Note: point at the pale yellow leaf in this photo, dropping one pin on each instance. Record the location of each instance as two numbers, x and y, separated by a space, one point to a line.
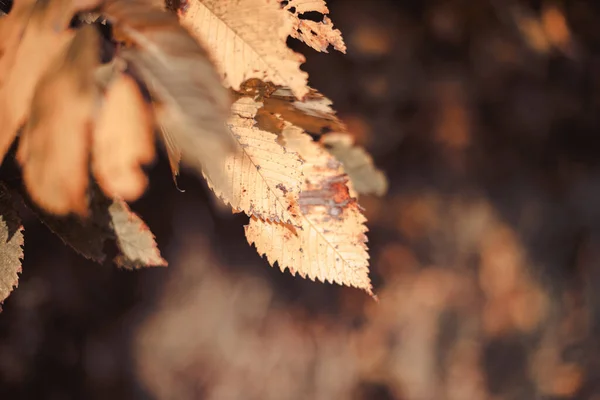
134 238
330 242
247 39
318 35
358 164
263 178
54 146
11 244
123 141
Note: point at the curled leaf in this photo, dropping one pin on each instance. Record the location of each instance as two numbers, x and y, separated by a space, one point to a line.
313 114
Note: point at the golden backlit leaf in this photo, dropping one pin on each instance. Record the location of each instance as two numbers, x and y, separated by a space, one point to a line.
358 164
123 140
318 35
134 238
11 242
247 39
263 178
54 147
330 243
191 104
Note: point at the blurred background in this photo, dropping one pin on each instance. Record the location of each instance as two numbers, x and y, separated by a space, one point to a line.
485 115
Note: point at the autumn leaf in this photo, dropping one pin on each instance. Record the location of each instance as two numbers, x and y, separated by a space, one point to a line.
123 140
86 236
358 164
37 35
330 243
54 147
12 27
134 238
11 242
247 39
263 178
318 35
313 113
108 220
190 103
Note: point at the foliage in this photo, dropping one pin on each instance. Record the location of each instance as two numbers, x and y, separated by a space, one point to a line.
87 86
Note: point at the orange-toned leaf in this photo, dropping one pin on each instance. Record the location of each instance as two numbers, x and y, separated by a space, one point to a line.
123 141
247 39
44 37
12 27
54 148
330 243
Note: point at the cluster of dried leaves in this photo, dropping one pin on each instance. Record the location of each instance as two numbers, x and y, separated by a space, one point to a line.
86 84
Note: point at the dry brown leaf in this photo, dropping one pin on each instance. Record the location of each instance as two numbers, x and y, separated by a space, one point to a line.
11 242
134 238
318 35
313 114
123 141
263 178
192 106
247 39
55 143
358 164
330 243
44 37
86 236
